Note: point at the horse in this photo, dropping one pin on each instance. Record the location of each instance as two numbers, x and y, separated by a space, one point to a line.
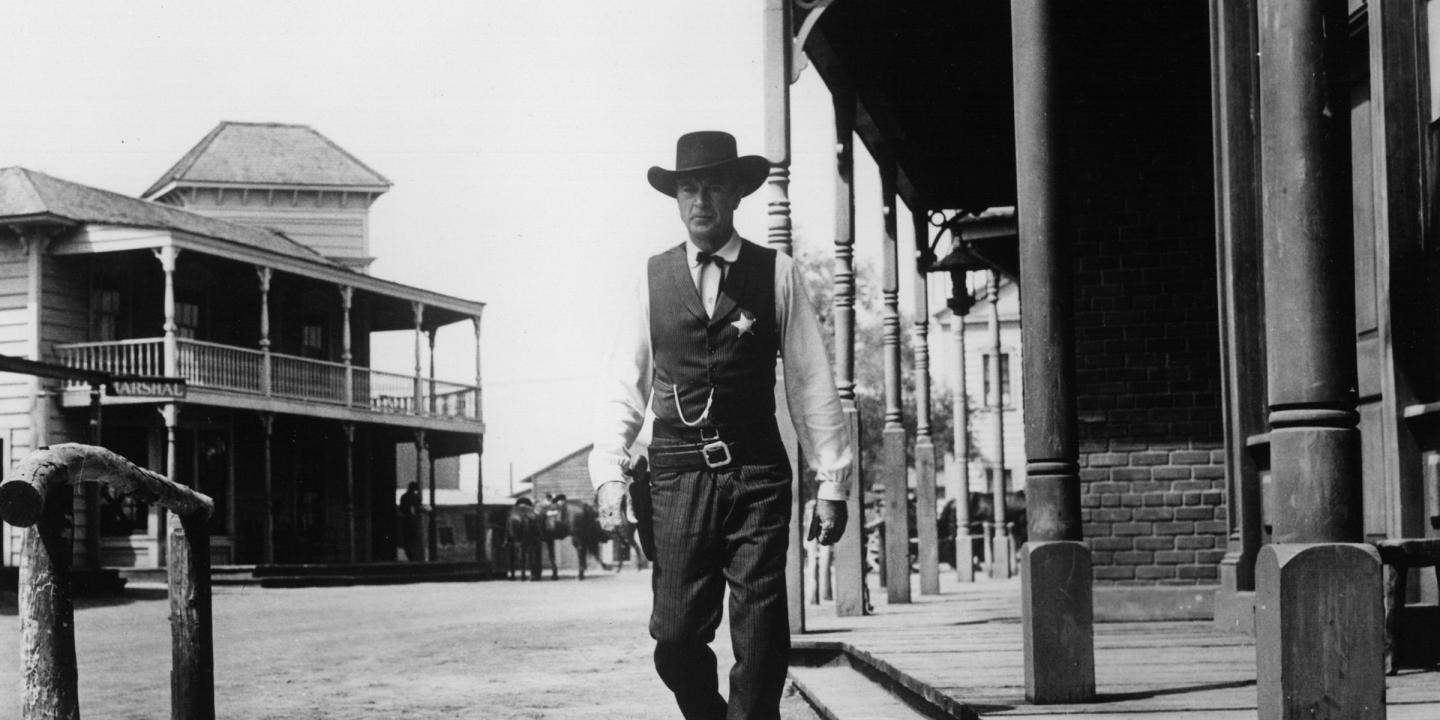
560 518
522 536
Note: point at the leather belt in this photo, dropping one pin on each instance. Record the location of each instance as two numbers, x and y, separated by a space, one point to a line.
712 448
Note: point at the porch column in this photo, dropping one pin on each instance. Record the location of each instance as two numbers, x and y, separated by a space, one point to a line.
267 421
170 415
897 521
347 295
924 447
1319 622
265 274
850 550
482 526
1056 604
93 500
419 399
778 40
434 536
434 407
1000 558
419 479
171 359
475 413
350 539
1239 256
960 400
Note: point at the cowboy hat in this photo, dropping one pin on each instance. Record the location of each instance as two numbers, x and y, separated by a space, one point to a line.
710 151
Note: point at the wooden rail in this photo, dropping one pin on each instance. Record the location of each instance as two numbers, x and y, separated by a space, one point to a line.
252 372
38 496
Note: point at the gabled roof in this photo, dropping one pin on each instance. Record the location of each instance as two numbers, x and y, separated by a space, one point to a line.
27 194
567 458
269 154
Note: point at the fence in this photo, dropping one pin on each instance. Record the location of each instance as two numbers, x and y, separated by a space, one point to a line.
38 496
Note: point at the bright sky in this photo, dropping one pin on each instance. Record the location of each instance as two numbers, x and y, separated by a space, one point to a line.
517 135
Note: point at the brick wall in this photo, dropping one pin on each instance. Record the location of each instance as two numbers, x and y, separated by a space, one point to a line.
1154 515
1146 319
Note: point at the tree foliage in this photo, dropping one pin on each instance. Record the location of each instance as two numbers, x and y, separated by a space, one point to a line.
870 361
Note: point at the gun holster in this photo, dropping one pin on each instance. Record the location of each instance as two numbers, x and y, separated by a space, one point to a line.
642 506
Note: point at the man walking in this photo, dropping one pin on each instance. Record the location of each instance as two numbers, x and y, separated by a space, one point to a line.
711 317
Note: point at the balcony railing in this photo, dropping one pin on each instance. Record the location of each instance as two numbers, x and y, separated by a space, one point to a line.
253 372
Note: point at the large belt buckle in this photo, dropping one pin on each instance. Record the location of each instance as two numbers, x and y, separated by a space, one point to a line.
715 452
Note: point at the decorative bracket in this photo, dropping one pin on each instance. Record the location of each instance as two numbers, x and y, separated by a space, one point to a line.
814 9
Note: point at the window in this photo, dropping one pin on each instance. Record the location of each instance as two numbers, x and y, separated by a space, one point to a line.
104 314
312 337
187 319
1004 380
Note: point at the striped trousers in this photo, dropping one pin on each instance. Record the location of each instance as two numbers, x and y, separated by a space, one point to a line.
715 528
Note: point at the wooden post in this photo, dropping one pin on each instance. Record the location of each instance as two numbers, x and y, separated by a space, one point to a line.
777 120
347 294
433 546
433 407
93 499
897 522
777 44
170 412
419 309
192 652
267 420
1319 621
1056 602
850 550
350 537
960 399
925 531
477 414
47 612
1235 95
265 274
167 256
482 524
1000 557
420 472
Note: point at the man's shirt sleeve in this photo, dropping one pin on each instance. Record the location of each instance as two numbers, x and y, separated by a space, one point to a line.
623 392
810 385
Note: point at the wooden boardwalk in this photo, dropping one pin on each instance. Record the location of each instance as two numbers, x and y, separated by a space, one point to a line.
966 644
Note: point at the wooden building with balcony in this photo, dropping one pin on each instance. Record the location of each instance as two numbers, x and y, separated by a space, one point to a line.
242 274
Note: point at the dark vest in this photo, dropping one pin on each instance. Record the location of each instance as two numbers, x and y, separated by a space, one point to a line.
694 354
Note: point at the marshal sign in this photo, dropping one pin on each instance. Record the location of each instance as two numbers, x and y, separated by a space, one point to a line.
156 387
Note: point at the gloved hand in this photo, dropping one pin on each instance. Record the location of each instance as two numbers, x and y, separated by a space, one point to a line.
828 523
609 501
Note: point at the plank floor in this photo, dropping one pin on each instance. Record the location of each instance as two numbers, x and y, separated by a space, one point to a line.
966 644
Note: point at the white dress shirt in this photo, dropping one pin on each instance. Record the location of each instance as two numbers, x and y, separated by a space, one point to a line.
624 389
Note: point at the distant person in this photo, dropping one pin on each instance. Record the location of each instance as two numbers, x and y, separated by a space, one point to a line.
699 349
411 512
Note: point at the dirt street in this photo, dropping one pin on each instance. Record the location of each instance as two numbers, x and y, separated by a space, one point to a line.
498 649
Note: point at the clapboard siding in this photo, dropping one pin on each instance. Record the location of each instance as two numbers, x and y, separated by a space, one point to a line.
330 231
64 304
15 324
